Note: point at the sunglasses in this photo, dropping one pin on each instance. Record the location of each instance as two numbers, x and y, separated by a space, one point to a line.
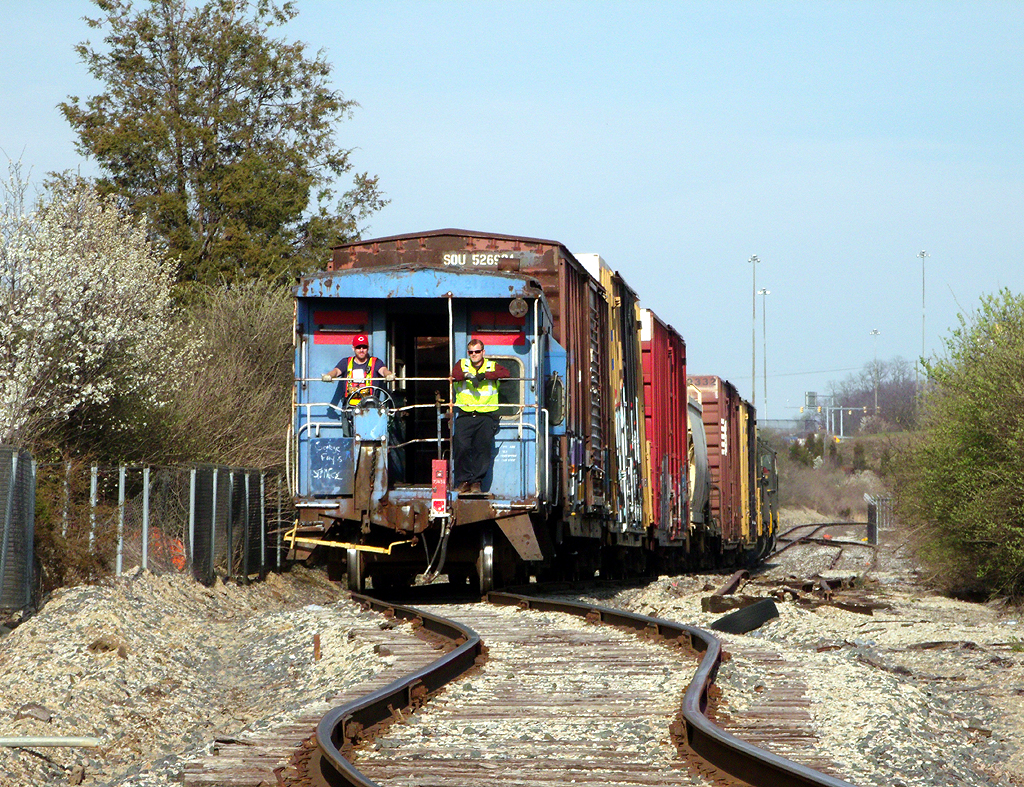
362 347
476 352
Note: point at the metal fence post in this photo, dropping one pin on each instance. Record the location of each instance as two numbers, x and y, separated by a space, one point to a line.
8 516
278 528
192 519
245 532
30 535
93 502
145 518
122 471
213 528
263 522
67 499
230 525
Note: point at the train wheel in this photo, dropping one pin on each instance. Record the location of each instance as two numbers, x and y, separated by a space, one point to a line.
485 561
356 571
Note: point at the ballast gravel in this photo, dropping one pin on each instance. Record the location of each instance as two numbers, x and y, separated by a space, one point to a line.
924 690
158 667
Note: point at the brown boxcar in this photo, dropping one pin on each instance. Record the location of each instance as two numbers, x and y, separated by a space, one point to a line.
665 416
730 428
577 303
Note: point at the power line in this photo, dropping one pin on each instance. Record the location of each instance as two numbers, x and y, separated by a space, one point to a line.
818 371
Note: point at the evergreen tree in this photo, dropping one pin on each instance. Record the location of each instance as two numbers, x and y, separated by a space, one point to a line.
222 135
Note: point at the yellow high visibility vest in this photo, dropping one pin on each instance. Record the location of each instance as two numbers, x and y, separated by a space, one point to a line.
479 397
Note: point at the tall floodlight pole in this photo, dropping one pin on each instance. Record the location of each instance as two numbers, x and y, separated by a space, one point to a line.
753 328
922 255
764 346
875 332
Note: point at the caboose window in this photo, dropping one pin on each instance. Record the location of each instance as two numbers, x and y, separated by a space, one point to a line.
510 392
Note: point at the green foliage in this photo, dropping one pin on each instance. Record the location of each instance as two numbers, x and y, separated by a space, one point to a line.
222 135
961 482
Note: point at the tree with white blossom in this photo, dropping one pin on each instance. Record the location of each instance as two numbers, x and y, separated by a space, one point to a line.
85 308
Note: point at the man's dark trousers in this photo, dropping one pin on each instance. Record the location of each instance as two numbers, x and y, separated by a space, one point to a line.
472 445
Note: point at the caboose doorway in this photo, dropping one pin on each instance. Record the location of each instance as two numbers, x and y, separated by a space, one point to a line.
418 333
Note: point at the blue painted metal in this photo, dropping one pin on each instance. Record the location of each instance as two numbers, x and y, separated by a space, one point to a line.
416 282
383 295
331 466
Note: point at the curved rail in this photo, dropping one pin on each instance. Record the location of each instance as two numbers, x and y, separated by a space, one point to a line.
343 725
736 757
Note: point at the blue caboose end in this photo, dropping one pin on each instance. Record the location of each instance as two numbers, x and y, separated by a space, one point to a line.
370 460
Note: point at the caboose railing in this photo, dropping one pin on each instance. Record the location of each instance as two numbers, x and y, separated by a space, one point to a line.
307 424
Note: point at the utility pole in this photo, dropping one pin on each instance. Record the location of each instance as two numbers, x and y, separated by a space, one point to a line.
753 328
764 345
922 255
875 332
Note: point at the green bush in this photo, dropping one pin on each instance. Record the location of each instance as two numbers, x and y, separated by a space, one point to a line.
960 482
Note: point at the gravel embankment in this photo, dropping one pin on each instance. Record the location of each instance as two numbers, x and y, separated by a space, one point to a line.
927 690
924 691
156 667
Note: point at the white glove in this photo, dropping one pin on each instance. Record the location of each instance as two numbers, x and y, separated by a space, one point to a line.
326 378
390 377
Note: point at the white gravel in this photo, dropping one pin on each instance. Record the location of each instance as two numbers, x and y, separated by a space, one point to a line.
928 691
157 667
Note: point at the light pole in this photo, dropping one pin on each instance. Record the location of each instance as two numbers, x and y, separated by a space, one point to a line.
922 255
753 328
764 346
875 332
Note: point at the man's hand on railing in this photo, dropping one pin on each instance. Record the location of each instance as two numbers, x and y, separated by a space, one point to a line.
326 378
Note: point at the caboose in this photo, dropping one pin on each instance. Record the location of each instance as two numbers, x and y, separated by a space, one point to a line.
600 459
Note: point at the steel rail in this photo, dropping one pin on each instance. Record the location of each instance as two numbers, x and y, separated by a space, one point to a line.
738 758
343 725
726 752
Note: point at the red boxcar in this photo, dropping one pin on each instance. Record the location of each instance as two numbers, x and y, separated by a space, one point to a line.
665 418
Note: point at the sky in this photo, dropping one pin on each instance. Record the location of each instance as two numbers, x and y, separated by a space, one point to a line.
834 141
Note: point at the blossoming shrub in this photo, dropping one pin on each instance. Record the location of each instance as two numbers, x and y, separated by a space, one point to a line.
85 310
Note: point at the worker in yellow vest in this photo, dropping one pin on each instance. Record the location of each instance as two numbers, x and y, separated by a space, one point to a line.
475 380
360 370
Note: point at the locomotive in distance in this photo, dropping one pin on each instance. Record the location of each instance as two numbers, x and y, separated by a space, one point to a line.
609 459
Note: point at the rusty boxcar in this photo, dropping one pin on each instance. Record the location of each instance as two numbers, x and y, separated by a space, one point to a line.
594 466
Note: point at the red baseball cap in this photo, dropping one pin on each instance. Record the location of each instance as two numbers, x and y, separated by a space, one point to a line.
361 339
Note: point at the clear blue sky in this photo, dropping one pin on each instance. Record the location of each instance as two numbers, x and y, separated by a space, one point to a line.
833 140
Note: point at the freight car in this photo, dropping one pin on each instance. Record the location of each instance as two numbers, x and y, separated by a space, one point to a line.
607 457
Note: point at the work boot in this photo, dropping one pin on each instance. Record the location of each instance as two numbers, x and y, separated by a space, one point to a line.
474 489
464 488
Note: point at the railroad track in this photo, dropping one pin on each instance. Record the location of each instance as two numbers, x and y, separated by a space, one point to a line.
848 544
619 722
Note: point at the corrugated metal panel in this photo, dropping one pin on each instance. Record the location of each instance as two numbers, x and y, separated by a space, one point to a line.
726 450
665 415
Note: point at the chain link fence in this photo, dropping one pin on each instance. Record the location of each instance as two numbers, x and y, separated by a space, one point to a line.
207 521
880 515
17 493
